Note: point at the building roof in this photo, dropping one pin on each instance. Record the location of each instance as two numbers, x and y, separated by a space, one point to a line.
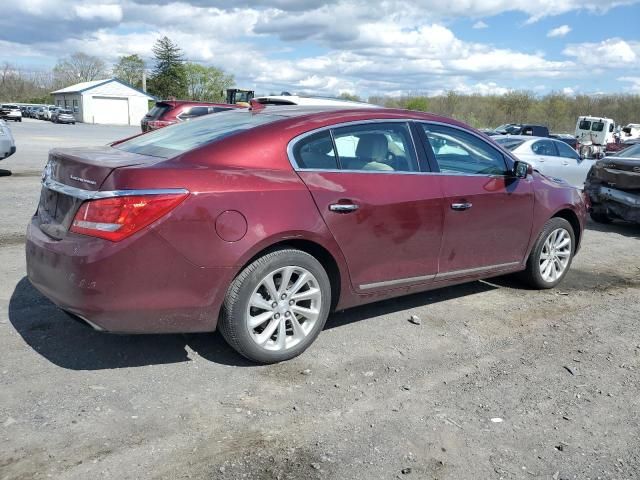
84 86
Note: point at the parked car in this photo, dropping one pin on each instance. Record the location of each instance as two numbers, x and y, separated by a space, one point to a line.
261 222
549 156
567 138
11 112
44 112
168 112
52 112
7 143
613 186
62 115
311 101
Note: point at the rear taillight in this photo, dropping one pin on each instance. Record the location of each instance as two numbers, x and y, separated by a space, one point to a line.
119 217
153 124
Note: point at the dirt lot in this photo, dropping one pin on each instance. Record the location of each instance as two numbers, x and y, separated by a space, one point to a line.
497 382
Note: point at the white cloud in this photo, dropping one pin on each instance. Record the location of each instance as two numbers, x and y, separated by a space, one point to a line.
560 31
480 25
635 84
611 53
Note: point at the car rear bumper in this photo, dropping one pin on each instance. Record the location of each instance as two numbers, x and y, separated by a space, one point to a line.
139 285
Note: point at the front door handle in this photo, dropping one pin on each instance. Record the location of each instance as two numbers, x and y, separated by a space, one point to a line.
461 206
565 163
343 207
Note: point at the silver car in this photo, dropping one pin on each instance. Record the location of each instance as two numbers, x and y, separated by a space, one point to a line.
551 157
7 144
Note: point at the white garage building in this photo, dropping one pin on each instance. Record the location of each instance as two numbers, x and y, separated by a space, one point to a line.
110 101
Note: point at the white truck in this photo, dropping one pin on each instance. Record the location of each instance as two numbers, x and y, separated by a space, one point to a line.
593 134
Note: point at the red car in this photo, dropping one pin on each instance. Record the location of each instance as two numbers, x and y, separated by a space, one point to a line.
261 222
168 112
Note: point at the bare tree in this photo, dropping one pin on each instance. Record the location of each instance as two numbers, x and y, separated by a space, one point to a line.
79 67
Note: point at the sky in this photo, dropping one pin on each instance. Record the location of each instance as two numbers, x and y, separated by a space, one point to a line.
390 47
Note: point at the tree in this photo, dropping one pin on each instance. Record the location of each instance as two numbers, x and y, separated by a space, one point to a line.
169 77
350 96
206 83
417 103
79 67
129 69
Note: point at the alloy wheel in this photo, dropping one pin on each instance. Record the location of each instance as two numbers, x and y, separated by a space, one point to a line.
283 308
555 255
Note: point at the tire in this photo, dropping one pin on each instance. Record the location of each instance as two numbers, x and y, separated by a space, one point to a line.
600 217
263 341
536 275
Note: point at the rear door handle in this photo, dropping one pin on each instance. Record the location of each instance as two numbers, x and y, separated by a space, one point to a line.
343 207
461 206
565 163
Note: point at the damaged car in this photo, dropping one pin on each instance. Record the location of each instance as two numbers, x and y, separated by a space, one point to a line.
613 186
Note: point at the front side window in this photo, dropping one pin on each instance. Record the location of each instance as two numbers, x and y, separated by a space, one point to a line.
566 151
384 147
457 151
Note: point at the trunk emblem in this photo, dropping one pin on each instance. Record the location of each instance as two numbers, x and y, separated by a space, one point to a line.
82 180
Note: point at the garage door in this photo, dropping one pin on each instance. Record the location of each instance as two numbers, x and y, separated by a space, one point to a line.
110 110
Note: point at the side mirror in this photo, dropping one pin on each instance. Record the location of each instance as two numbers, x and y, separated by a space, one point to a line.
522 169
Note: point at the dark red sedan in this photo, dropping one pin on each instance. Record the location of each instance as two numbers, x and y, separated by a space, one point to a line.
261 222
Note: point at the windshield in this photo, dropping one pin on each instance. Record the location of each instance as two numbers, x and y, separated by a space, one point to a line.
172 141
631 152
509 143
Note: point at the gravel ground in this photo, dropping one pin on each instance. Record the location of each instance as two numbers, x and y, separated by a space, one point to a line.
496 382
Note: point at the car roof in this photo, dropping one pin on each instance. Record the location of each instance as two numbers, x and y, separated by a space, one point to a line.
298 100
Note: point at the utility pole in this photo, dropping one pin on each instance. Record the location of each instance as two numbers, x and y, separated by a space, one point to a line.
144 80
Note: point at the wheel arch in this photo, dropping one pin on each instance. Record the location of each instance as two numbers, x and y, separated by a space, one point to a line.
571 217
338 276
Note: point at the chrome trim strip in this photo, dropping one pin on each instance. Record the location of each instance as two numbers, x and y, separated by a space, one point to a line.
467 271
454 273
81 194
388 283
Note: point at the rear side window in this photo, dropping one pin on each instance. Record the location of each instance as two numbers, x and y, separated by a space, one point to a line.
597 126
566 151
544 147
457 151
384 147
584 125
509 143
193 112
180 138
316 152
219 109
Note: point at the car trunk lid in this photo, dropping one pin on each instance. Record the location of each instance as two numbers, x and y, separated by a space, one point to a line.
74 175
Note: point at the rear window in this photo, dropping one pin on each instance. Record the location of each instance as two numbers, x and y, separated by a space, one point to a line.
585 125
158 110
597 126
509 143
174 140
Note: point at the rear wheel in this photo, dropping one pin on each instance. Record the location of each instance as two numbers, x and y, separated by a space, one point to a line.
276 307
551 255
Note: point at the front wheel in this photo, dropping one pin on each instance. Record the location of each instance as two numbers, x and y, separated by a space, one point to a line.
551 255
276 307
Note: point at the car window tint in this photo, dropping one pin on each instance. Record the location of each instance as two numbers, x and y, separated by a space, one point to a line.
566 151
316 152
544 147
185 136
457 151
597 126
509 143
384 147
584 125
198 111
